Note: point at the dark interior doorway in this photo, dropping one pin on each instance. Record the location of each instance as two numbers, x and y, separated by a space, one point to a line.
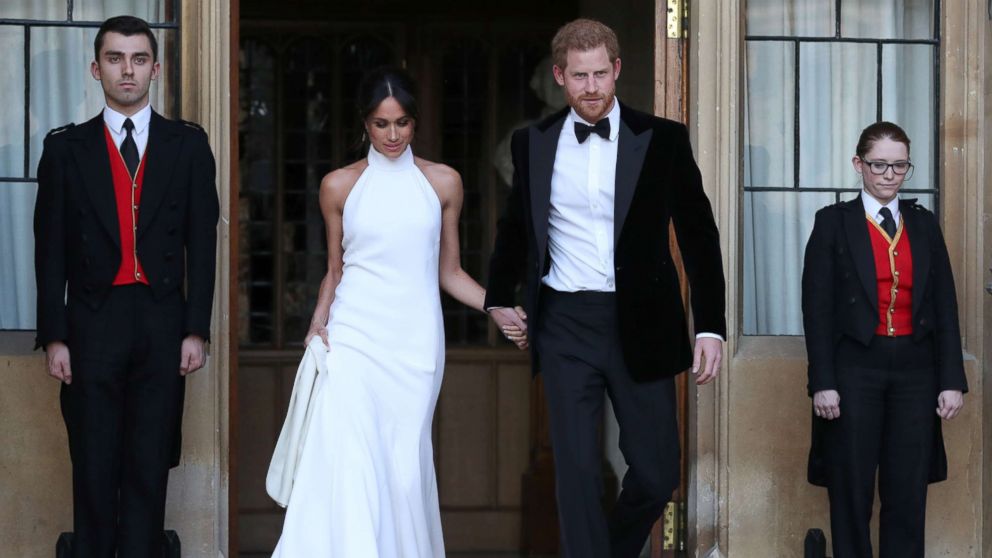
299 65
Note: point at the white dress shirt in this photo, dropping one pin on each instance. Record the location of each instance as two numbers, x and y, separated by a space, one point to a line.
115 123
580 221
873 206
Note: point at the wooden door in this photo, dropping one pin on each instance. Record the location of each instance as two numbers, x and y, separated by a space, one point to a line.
671 93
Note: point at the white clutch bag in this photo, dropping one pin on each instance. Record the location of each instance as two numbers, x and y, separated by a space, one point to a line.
289 447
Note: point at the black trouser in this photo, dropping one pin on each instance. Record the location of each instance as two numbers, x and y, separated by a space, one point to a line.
580 358
888 397
121 412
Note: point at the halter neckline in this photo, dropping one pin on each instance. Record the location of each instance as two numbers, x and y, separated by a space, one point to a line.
380 161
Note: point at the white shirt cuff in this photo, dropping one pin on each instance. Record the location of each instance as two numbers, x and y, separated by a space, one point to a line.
711 335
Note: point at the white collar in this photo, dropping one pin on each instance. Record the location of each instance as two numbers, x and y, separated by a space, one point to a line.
873 206
613 116
115 120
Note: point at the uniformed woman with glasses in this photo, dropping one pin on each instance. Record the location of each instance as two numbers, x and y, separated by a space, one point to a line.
884 349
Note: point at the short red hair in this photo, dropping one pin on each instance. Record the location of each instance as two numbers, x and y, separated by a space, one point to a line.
583 35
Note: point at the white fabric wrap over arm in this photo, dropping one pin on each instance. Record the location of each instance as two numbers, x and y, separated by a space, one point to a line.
289 447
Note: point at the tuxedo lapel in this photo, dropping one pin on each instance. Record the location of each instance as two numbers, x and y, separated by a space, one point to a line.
543 147
630 159
89 149
160 156
859 244
919 247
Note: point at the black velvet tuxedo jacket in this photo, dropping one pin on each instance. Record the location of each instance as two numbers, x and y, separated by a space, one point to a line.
840 298
77 235
840 295
657 180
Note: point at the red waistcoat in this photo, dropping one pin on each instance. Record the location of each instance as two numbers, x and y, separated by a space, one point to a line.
127 193
894 280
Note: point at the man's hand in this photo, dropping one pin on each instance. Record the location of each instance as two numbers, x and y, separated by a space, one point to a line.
708 353
57 359
826 404
193 355
512 323
949 403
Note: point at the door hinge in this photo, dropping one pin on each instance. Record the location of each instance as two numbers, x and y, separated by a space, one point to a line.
670 532
678 15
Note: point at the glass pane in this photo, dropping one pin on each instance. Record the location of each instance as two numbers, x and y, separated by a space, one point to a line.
34 9
887 19
163 91
257 125
526 92
12 93
465 94
62 89
776 228
794 18
152 11
769 109
838 98
17 287
908 100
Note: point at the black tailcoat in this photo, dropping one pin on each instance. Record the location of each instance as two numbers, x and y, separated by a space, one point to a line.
123 408
840 298
77 238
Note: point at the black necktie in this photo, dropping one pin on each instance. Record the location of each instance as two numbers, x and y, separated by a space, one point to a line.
888 223
602 129
129 149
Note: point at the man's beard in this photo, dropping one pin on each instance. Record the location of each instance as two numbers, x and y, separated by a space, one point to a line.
606 103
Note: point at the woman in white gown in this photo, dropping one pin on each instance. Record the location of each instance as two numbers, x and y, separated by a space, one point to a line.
365 485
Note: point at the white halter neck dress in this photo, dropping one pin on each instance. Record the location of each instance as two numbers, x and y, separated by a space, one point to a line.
365 485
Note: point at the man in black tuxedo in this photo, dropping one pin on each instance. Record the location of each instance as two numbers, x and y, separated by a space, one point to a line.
586 228
125 218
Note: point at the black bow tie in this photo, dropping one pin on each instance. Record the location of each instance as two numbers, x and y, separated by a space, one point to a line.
602 129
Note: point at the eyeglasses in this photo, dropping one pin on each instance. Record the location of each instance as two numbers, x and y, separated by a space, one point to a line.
881 167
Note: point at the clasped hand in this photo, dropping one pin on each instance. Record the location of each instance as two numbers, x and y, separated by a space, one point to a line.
512 323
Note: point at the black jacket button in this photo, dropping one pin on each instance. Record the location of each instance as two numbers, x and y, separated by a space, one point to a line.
166 281
852 300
